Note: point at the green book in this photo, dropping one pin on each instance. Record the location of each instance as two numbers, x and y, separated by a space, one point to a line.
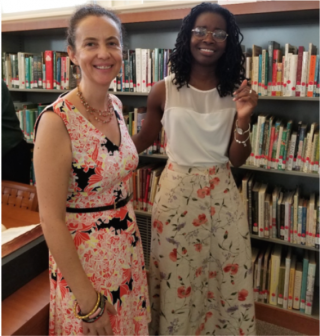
285 153
303 295
27 71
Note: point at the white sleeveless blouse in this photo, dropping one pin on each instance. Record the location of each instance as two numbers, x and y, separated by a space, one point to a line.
197 125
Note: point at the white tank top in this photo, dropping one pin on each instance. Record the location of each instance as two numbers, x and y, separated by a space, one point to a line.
197 125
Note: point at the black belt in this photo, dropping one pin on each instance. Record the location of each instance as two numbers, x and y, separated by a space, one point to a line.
114 206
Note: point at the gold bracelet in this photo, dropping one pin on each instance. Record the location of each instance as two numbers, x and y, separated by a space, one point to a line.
81 317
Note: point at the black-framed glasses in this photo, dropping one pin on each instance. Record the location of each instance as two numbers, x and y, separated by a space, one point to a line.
217 35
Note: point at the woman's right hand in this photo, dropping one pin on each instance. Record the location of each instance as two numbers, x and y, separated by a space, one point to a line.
103 325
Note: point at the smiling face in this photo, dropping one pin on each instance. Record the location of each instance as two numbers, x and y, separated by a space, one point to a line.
205 50
98 50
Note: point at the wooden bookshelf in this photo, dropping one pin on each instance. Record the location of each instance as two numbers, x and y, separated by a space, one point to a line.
145 94
257 9
253 15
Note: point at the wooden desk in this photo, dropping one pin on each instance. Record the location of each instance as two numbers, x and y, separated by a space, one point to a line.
26 312
14 217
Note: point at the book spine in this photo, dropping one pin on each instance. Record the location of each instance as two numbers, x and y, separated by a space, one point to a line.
297 288
304 285
299 71
49 69
310 288
312 70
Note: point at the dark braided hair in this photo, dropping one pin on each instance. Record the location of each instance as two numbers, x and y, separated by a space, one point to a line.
230 70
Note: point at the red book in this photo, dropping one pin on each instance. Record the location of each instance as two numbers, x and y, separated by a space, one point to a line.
48 56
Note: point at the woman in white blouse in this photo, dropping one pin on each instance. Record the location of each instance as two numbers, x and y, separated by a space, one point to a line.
200 267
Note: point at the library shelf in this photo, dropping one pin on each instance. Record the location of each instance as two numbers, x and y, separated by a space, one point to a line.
282 242
142 94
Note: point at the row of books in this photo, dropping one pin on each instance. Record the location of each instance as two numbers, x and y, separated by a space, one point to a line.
134 120
143 186
284 279
27 114
141 68
277 213
46 70
289 72
284 145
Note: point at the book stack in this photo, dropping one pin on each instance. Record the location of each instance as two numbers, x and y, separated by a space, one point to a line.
143 186
284 145
282 214
290 71
141 69
46 70
282 278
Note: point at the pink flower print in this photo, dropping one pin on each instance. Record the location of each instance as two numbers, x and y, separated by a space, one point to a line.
158 225
173 255
212 171
201 193
202 219
212 275
212 211
216 180
198 271
242 295
198 247
210 295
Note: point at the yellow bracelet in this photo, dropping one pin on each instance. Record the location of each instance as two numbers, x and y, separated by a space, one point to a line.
81 317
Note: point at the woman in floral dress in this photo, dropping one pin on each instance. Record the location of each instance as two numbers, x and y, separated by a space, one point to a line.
200 266
83 160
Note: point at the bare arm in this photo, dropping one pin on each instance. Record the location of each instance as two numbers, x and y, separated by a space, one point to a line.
52 160
238 153
246 100
152 124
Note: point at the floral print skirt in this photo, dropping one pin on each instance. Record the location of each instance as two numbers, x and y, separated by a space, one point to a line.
200 267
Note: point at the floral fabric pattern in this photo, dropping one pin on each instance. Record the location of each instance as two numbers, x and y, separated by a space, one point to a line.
108 242
200 266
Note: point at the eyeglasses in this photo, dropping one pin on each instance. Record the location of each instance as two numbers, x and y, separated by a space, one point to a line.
218 35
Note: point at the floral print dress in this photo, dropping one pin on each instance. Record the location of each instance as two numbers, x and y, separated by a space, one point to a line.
200 266
108 242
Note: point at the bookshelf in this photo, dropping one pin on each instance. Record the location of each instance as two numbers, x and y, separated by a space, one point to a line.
296 22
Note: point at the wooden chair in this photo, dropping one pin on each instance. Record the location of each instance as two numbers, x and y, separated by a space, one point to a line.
19 195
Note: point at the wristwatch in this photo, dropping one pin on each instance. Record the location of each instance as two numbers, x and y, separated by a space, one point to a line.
240 130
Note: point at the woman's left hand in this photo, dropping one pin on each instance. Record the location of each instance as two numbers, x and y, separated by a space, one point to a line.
246 100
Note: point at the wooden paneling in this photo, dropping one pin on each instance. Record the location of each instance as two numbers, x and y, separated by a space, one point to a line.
26 312
261 7
287 319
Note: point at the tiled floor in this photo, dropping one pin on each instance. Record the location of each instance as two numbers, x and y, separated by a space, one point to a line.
264 328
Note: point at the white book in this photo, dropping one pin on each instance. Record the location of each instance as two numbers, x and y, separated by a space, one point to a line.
310 282
255 73
21 70
297 286
286 278
292 75
256 144
149 84
304 74
249 67
138 70
311 220
287 59
144 70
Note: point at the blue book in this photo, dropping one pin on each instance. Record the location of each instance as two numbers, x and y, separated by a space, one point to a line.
304 223
303 293
58 76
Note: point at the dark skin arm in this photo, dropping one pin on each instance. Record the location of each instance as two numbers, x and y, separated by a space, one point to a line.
245 104
152 124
